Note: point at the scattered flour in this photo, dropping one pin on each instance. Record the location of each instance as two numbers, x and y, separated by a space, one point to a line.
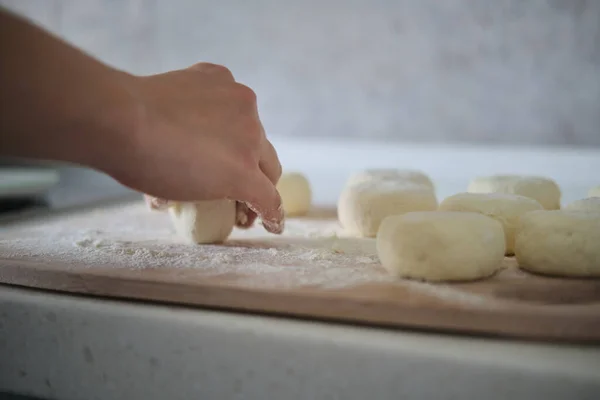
312 252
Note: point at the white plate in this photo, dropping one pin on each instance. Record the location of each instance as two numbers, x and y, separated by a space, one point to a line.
26 182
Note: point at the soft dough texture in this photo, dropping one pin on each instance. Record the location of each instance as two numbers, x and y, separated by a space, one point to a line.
295 192
205 221
363 206
441 246
544 190
560 242
504 208
594 192
590 204
406 175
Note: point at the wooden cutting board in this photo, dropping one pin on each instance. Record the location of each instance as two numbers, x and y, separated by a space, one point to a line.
313 271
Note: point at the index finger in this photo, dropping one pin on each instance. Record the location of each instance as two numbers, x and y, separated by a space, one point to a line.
260 195
269 162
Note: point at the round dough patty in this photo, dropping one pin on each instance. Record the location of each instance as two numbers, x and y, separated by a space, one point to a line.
559 242
203 222
406 175
441 246
503 207
590 204
296 195
363 206
544 190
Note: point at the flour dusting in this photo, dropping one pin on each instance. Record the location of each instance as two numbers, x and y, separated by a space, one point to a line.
312 252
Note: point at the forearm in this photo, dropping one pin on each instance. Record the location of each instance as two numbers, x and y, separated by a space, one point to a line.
57 102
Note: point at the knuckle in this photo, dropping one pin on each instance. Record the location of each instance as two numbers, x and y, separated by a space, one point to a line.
253 132
247 163
220 69
245 94
209 68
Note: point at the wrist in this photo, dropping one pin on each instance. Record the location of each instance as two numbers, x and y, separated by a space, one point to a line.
116 126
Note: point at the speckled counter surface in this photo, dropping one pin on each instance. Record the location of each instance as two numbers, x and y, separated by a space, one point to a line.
77 348
67 347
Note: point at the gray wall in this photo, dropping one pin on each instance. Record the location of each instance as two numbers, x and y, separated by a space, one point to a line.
505 71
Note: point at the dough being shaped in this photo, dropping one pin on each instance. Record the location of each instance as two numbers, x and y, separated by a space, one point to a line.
594 192
295 192
503 207
590 204
407 175
205 221
544 190
441 245
559 242
362 207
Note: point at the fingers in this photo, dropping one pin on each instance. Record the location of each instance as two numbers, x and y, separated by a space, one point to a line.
269 162
260 195
270 167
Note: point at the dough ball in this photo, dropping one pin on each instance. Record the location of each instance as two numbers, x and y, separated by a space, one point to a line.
504 208
363 206
408 175
594 192
559 242
205 221
544 190
295 193
441 245
590 204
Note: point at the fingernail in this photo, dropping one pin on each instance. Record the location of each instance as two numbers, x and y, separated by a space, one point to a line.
276 225
156 204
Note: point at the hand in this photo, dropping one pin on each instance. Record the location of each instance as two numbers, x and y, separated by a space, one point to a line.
197 136
186 135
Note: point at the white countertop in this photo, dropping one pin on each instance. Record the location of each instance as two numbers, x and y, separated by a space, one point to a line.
68 347
65 347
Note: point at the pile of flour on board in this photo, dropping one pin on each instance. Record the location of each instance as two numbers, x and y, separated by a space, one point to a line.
312 252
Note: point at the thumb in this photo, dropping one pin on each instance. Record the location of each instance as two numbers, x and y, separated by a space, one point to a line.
261 196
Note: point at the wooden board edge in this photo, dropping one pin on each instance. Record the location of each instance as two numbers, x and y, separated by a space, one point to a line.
500 323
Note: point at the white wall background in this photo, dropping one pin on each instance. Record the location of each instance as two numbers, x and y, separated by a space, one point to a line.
480 71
